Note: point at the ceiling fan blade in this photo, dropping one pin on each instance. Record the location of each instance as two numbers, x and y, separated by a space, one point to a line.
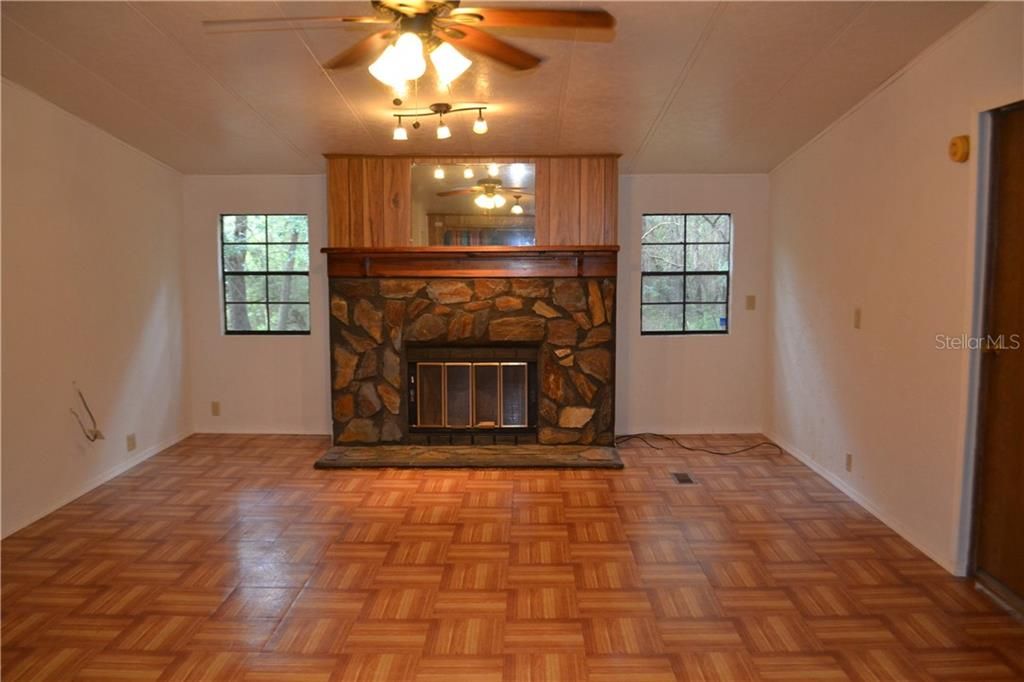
361 52
407 7
460 191
293 20
534 18
476 40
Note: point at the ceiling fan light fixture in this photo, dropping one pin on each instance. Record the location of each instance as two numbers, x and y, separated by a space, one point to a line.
410 52
499 201
438 173
480 124
485 202
403 61
449 63
386 68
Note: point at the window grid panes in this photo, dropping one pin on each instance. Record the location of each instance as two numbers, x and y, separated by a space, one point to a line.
265 273
685 268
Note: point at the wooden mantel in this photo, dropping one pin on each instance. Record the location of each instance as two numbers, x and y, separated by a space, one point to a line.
480 261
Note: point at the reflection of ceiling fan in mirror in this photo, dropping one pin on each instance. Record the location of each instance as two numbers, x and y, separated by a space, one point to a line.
414 28
489 194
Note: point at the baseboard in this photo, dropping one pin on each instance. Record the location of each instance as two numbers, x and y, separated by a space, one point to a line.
868 504
692 430
256 430
101 478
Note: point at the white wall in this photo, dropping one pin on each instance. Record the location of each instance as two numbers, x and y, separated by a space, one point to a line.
694 384
265 384
91 292
873 214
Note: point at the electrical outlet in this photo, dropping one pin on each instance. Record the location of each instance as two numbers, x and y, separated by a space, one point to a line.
751 302
130 442
849 461
856 318
215 408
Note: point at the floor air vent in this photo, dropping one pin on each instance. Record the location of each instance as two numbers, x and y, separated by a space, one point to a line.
684 479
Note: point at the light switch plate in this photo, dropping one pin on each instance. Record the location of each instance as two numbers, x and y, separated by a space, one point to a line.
130 442
215 408
751 302
849 461
856 318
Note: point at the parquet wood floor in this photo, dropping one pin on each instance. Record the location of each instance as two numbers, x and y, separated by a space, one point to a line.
231 558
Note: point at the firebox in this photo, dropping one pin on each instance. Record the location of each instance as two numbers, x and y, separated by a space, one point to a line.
477 395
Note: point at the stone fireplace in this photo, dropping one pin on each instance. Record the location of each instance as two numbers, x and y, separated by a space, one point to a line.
492 346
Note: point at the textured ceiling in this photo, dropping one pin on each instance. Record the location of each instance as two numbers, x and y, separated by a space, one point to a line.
682 87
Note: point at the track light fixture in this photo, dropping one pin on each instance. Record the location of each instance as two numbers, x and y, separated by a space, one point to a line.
442 109
443 131
400 132
480 125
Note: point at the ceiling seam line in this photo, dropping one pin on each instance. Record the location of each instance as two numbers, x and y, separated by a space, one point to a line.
799 69
100 78
563 96
301 35
681 78
224 87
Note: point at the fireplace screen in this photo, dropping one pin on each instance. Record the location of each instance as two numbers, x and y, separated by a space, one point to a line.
478 395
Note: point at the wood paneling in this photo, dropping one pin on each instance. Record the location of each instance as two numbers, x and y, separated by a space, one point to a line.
577 200
228 557
564 198
481 261
369 198
542 200
599 200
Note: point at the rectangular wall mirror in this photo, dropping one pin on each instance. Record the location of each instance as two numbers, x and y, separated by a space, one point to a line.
473 203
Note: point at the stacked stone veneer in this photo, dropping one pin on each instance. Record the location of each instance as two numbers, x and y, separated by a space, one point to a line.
570 320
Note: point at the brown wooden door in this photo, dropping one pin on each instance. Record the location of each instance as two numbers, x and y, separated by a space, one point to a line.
999 508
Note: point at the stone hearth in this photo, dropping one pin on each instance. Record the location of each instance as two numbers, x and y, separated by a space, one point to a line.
569 320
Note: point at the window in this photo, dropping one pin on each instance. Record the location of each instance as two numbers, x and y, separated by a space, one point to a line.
265 266
684 281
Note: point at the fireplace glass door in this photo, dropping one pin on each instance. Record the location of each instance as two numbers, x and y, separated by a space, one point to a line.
478 395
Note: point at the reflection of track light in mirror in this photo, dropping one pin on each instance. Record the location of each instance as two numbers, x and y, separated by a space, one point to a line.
438 173
516 208
493 170
468 173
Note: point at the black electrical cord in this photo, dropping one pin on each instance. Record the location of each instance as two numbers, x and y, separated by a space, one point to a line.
644 436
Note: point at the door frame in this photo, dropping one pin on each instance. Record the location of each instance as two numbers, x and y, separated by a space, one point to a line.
980 362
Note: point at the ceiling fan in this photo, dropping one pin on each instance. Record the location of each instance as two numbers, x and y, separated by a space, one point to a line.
437 27
489 194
